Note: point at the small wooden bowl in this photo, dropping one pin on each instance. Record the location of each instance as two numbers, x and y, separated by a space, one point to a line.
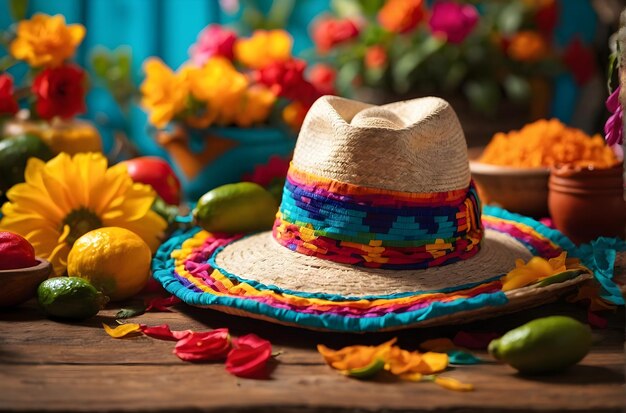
20 284
521 190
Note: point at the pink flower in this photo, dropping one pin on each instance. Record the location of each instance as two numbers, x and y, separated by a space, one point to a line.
213 41
455 21
613 129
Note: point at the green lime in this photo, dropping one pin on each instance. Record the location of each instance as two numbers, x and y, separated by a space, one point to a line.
70 297
14 154
236 208
544 345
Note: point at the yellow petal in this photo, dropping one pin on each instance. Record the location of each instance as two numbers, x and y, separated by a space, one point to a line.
122 330
434 362
453 384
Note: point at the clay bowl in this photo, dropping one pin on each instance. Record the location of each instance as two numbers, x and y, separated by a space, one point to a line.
521 190
20 284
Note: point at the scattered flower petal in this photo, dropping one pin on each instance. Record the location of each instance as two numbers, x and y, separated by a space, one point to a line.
163 332
212 345
353 357
595 320
453 384
474 340
249 357
461 357
401 362
161 303
122 330
535 269
416 377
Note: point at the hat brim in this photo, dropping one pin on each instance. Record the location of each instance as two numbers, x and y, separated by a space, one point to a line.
257 277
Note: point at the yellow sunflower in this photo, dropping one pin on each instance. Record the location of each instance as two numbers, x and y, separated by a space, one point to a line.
70 196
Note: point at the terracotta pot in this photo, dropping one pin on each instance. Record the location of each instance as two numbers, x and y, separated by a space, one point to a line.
587 203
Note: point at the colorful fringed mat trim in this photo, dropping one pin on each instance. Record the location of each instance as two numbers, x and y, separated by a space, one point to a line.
377 228
185 267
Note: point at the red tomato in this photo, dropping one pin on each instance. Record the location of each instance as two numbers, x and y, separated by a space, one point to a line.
157 173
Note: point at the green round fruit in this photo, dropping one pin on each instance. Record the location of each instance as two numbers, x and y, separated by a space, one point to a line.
236 208
14 154
70 297
544 345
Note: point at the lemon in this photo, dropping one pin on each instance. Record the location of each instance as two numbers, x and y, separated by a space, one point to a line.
115 260
236 208
70 297
544 345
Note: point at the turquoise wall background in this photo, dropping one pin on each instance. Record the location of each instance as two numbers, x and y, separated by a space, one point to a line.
167 28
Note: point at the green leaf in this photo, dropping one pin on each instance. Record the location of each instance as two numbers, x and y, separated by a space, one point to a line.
517 88
455 75
346 76
346 8
560 277
371 7
18 9
613 64
408 63
484 95
131 311
100 61
511 17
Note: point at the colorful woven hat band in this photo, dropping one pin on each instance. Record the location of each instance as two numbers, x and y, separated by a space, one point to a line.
377 228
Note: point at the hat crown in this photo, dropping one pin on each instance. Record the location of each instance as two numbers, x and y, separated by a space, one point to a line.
411 146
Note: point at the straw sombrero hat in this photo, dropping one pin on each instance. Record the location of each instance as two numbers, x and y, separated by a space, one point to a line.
380 228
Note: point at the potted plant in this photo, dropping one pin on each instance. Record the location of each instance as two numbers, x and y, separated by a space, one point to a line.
233 105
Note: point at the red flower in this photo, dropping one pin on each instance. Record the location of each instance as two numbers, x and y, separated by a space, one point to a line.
8 104
328 32
323 78
265 174
249 357
546 18
286 79
375 57
60 92
212 345
581 61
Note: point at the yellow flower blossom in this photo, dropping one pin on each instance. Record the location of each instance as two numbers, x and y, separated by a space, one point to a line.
254 108
46 40
164 93
536 269
69 196
218 85
264 48
293 115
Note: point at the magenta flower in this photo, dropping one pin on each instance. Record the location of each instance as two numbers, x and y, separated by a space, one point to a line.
455 21
614 129
213 41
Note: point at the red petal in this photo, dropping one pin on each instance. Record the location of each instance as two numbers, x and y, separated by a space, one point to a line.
163 332
211 345
474 340
596 321
161 303
249 357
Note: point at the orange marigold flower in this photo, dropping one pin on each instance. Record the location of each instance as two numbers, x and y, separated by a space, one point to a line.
293 115
527 46
263 48
401 16
46 40
375 57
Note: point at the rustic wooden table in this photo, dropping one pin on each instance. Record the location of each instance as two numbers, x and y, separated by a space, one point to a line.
52 366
